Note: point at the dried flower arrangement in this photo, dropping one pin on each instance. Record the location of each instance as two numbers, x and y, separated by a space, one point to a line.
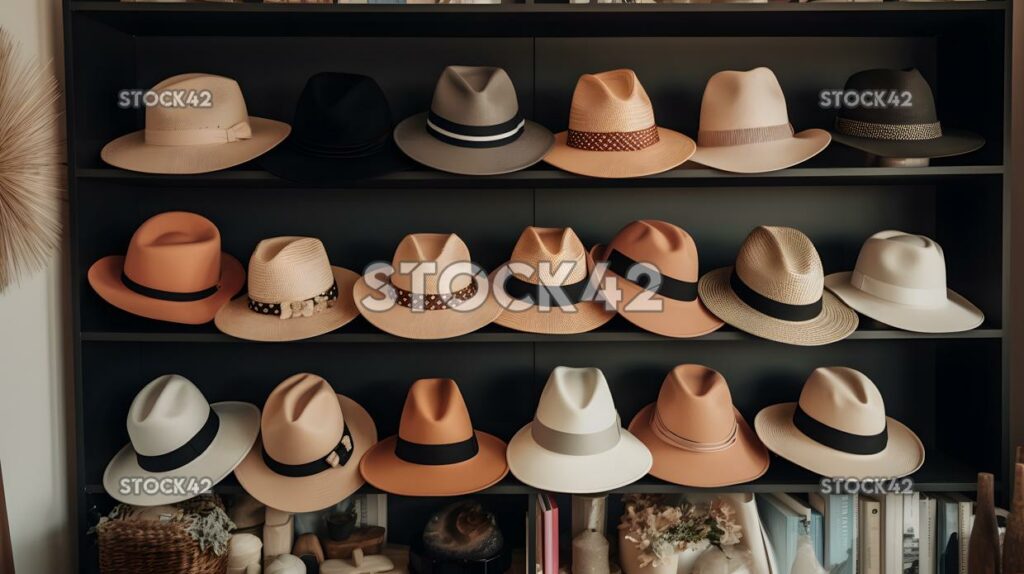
660 530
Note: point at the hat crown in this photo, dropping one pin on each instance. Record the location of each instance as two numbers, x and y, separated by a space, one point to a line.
662 244
781 264
166 414
449 263
175 251
904 260
339 110
694 402
475 96
844 399
435 413
612 101
286 269
302 420
545 249
577 401
226 105
735 100
892 83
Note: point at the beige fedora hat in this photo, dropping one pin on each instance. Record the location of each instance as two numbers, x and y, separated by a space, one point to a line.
839 428
612 132
432 290
744 125
213 133
311 442
776 291
900 280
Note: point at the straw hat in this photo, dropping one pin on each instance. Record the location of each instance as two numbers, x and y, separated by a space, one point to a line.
839 428
776 291
206 133
744 125
612 132
174 270
294 293
436 451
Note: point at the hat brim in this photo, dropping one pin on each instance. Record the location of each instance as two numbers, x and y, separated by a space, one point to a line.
384 470
903 455
835 322
952 142
317 492
131 151
672 149
239 427
289 162
766 156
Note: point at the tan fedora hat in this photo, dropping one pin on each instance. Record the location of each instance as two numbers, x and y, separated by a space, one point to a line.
211 133
544 287
294 293
311 442
436 451
839 428
431 291
174 270
612 132
776 291
634 255
744 125
697 437
900 280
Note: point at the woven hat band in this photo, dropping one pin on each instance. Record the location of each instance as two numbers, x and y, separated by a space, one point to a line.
664 433
613 141
926 298
719 138
892 132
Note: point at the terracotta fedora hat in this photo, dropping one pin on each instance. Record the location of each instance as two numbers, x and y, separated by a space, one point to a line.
311 442
839 428
647 249
474 126
209 135
744 125
612 132
174 270
176 434
436 451
695 434
900 280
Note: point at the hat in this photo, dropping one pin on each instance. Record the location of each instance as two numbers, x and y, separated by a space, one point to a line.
839 428
904 124
612 131
660 295
474 126
576 443
900 280
776 291
285 564
436 451
294 293
176 434
200 124
438 293
174 270
744 125
545 287
311 441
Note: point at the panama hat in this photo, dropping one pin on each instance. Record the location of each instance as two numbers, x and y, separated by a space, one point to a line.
576 443
776 291
174 270
744 125
839 428
176 434
436 451
612 132
202 126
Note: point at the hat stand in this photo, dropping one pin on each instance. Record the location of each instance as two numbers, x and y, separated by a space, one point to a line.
6 550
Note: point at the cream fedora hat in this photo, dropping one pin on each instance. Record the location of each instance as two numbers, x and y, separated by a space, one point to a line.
839 428
176 434
744 125
900 280
576 443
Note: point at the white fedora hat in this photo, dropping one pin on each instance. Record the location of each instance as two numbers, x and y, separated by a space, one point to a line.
576 443
900 280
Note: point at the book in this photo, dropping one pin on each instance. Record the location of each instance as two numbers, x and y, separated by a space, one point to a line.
911 532
870 536
947 549
965 520
783 526
892 533
840 530
926 551
549 542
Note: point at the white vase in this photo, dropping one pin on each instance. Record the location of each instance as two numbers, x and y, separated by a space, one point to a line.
629 559
688 558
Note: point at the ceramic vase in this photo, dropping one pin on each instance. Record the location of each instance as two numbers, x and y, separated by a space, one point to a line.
629 559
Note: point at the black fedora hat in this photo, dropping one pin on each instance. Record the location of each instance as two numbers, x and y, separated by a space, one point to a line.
904 124
341 132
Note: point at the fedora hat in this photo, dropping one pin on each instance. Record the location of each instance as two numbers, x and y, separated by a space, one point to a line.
744 125
900 280
211 131
576 443
174 270
294 293
697 437
649 249
474 126
612 132
908 128
436 451
453 299
176 434
839 428
544 288
311 441
776 291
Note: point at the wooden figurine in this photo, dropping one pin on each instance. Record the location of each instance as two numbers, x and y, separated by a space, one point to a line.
369 539
6 550
360 564
983 548
1013 540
